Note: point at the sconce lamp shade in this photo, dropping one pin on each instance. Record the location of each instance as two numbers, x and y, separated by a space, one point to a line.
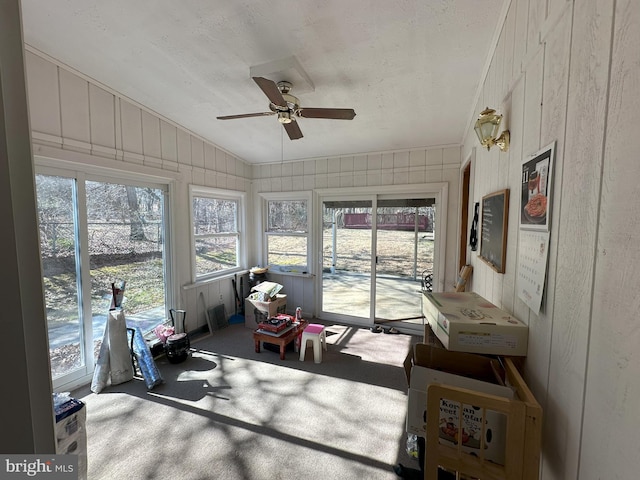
486 128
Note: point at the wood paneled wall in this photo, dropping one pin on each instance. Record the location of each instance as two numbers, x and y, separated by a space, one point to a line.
73 119
569 72
73 114
425 165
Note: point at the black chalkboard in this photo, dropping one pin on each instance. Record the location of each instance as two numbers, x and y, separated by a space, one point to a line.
493 239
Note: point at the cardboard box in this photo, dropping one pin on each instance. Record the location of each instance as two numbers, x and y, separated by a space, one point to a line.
524 430
71 432
256 312
430 337
425 365
466 322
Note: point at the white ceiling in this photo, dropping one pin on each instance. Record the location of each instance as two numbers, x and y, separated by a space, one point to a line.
410 69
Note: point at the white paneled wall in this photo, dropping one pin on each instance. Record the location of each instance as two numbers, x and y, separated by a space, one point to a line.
73 119
376 169
367 170
71 113
569 72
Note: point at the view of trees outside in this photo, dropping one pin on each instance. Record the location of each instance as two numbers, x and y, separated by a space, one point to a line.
215 224
56 216
287 233
287 216
124 228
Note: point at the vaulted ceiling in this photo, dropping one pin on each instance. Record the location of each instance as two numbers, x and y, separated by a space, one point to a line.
409 69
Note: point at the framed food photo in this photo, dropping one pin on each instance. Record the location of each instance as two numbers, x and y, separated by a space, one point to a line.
535 198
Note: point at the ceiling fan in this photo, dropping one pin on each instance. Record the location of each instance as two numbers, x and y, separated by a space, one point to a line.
287 107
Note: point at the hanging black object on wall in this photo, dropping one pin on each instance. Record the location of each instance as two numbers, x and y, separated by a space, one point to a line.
473 237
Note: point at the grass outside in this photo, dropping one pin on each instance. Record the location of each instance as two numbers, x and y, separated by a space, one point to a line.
396 251
144 289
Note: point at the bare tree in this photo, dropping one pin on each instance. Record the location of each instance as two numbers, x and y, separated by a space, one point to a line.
136 219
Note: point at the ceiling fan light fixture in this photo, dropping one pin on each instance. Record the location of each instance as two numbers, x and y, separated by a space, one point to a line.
284 117
286 107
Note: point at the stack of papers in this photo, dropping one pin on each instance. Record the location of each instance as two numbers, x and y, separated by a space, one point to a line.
267 289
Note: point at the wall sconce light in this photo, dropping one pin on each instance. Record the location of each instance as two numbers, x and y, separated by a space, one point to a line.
486 128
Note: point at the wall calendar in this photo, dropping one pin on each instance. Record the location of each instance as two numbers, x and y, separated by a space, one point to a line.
532 267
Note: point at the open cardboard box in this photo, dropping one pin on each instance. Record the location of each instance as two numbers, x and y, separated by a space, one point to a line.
523 435
256 312
428 364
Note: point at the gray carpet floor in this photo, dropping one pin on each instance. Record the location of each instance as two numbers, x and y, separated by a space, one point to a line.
228 412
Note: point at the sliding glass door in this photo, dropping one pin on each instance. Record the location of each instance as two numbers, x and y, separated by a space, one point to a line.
94 233
376 252
404 256
60 248
125 230
346 258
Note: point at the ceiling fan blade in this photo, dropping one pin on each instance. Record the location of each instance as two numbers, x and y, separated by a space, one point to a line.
272 91
246 115
331 113
293 130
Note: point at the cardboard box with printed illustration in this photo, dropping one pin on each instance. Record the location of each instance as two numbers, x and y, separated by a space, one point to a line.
427 364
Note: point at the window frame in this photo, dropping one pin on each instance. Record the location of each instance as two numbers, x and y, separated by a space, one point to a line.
267 197
197 191
80 174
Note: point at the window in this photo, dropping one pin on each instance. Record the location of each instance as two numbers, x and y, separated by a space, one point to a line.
286 233
217 221
94 232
